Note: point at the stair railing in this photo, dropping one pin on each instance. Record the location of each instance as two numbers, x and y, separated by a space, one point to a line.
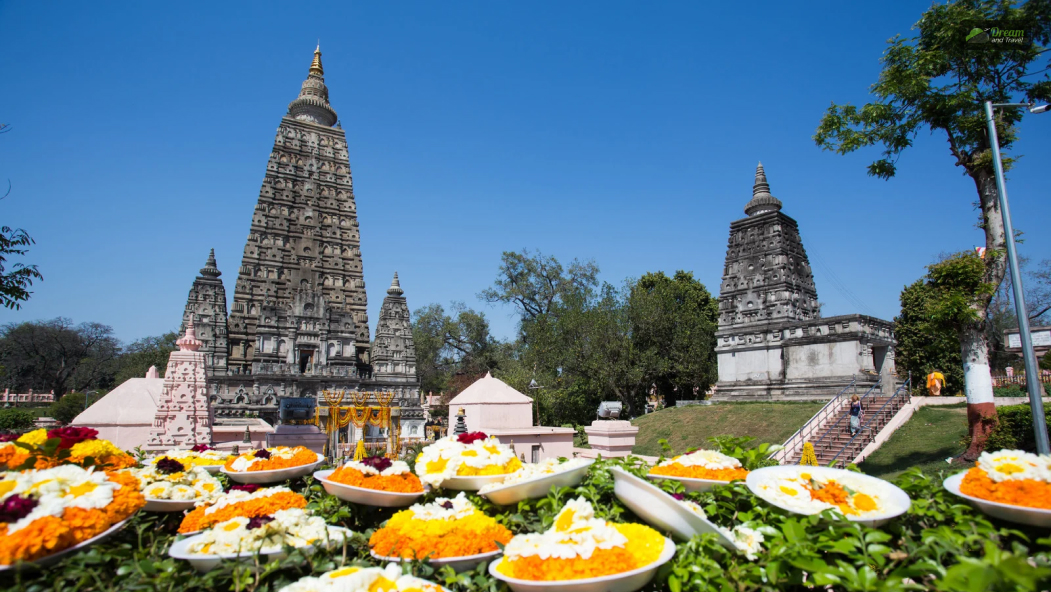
804 433
832 429
866 428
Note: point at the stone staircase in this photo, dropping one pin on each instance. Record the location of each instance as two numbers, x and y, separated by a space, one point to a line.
836 446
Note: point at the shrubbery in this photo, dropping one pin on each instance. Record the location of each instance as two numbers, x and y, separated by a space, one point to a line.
1014 430
15 419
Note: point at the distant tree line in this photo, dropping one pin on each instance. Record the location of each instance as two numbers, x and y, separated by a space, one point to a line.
58 356
579 341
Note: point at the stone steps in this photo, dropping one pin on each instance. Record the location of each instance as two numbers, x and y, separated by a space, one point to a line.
836 443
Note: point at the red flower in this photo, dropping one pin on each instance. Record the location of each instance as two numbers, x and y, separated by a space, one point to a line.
471 437
262 453
71 436
201 448
168 466
380 463
15 508
8 437
249 487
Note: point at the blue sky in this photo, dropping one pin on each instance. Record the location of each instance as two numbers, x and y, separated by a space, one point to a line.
627 133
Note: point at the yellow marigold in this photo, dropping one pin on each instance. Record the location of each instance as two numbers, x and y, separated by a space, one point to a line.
34 438
409 537
103 452
510 467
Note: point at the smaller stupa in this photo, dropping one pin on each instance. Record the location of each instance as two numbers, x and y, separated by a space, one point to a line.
183 419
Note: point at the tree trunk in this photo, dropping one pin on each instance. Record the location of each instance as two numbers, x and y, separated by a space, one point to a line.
974 342
978 381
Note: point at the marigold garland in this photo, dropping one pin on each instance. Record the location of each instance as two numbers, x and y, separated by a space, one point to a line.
406 536
49 534
698 472
405 483
198 519
300 456
1029 493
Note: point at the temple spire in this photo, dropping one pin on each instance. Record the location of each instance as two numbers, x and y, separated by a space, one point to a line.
312 104
395 286
315 66
210 269
762 202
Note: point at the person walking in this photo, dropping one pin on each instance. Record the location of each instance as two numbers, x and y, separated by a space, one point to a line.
855 415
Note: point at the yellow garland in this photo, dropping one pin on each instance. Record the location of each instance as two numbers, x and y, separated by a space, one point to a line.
809 458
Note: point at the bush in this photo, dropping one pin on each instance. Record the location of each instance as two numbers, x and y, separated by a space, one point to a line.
1014 430
15 419
1015 390
67 408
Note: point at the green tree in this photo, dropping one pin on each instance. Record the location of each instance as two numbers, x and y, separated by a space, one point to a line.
450 344
936 81
15 419
57 355
15 283
70 406
925 346
673 323
536 284
136 358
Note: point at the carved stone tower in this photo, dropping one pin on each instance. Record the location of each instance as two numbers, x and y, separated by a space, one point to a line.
393 352
300 285
182 418
772 342
767 276
206 306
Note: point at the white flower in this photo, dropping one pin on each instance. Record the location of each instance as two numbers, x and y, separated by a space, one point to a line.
694 507
295 527
58 488
1009 465
443 459
238 496
709 459
531 471
362 579
398 467
157 490
459 507
183 493
575 533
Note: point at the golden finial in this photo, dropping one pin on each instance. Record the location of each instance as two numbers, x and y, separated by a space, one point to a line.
315 66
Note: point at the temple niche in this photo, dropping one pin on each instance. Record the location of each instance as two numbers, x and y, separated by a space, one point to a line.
298 324
772 341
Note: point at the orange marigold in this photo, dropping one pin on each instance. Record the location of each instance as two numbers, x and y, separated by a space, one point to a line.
282 500
699 472
603 562
1016 492
405 483
40 538
12 456
302 456
411 538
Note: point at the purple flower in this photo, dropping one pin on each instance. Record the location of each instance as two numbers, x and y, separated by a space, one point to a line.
448 505
678 496
380 463
259 521
262 453
168 466
8 437
201 448
15 508
249 487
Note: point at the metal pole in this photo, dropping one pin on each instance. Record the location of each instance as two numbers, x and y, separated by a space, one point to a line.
1032 371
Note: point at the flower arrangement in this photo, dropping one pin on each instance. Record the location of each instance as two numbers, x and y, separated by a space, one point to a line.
363 579
43 449
579 546
746 539
242 501
810 494
530 471
169 479
271 459
702 464
465 455
45 511
201 455
444 528
1010 477
266 533
378 472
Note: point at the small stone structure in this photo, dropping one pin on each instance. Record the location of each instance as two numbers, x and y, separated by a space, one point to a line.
182 419
30 398
125 415
610 438
490 405
772 342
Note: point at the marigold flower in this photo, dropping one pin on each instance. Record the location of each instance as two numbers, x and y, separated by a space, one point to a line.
34 438
405 483
1030 493
72 435
200 519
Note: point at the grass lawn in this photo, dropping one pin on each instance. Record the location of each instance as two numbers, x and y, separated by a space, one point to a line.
931 435
690 427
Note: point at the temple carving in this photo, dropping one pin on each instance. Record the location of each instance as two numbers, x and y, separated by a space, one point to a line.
772 341
298 324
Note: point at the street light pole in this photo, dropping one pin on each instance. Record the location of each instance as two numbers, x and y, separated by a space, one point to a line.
1032 371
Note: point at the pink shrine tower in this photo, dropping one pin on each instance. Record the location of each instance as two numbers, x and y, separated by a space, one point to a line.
183 415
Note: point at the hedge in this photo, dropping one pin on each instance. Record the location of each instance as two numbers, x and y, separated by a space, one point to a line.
1014 428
